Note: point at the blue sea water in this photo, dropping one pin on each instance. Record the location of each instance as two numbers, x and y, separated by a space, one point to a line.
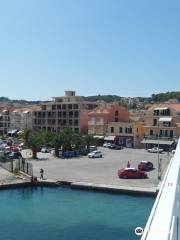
65 214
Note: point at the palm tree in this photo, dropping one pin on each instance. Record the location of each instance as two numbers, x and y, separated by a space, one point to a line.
67 139
57 142
34 141
24 135
45 136
89 140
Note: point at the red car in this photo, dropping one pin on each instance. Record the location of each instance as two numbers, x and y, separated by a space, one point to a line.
145 166
131 173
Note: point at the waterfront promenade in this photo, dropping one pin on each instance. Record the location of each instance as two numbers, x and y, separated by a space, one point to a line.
10 179
101 172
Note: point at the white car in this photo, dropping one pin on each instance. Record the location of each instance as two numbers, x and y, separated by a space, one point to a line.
45 150
155 150
95 154
106 145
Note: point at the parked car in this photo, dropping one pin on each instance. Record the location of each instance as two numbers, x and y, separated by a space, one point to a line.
145 166
92 148
131 173
106 145
155 150
115 146
95 154
45 150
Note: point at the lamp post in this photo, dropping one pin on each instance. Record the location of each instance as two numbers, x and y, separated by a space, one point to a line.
159 159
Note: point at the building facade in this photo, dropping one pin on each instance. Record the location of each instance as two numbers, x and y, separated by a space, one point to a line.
20 118
68 111
162 126
100 117
4 121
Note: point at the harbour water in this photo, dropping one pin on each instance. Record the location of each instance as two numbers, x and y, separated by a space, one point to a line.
65 214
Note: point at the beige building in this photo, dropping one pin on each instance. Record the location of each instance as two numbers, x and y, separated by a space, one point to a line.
162 125
128 134
67 111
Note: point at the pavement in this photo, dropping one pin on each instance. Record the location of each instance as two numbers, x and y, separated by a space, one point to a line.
100 171
7 178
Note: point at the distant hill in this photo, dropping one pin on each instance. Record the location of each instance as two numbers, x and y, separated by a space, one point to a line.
21 101
105 98
130 102
163 97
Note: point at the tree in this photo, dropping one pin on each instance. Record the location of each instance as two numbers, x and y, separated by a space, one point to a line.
67 139
34 141
89 140
45 136
24 135
57 142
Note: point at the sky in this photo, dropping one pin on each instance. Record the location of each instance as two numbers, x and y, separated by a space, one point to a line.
121 47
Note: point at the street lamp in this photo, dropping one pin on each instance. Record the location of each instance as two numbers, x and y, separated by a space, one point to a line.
159 159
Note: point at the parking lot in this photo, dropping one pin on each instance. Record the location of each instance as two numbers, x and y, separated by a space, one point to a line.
100 170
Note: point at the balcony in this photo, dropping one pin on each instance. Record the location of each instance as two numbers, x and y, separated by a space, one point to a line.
156 137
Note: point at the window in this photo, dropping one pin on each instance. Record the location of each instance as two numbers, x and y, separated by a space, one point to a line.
155 122
64 106
53 107
70 106
75 106
112 129
43 107
70 114
151 132
120 130
76 122
128 130
76 114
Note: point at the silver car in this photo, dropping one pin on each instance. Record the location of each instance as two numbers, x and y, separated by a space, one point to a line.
95 154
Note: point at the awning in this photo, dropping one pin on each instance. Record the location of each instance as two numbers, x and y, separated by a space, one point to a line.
99 137
155 141
109 138
165 119
161 108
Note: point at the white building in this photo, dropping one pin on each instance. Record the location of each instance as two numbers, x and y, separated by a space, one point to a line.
20 119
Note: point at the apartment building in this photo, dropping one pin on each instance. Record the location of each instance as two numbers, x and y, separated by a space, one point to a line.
128 134
20 118
67 111
99 118
162 125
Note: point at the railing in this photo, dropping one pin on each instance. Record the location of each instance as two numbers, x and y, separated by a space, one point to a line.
15 165
163 222
154 137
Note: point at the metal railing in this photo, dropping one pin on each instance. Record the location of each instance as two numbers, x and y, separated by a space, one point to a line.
15 165
163 222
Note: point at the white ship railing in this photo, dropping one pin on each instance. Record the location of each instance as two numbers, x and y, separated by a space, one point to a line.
163 222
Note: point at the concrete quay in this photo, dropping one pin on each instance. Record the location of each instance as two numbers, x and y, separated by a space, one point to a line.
10 180
101 174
